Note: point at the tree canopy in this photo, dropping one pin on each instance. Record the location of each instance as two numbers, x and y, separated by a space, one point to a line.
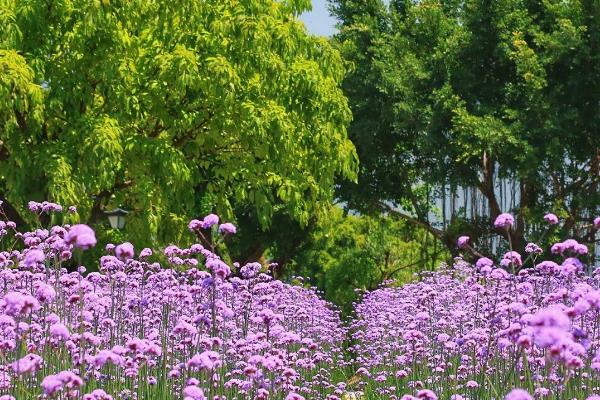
462 93
169 109
345 254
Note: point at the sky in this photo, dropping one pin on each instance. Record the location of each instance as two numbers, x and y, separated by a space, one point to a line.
318 21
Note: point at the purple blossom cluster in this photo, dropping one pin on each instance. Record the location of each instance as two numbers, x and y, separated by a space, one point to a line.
477 331
193 328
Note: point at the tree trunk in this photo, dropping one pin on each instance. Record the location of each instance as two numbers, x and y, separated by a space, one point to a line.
12 214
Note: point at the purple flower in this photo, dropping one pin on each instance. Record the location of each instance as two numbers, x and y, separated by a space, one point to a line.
463 241
195 225
484 262
499 273
33 257
59 331
547 337
146 252
550 317
518 394
65 379
28 364
551 219
105 356
250 270
34 206
51 384
207 360
511 257
504 220
533 248
16 303
81 236
124 251
294 396
597 222
97 394
557 248
548 267
573 261
227 227
193 393
580 249
45 293
581 306
426 395
219 268
210 220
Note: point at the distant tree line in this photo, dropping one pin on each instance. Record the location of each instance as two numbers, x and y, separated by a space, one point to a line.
461 94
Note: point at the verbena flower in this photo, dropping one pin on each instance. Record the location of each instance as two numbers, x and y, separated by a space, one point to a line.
504 220
533 248
463 241
81 236
518 394
551 219
227 228
124 251
193 393
33 257
210 220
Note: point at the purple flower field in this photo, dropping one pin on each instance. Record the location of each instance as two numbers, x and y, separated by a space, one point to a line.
479 332
196 328
138 330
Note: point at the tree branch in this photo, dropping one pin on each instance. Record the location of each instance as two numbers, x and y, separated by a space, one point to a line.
21 120
486 187
434 231
189 133
3 152
11 212
97 212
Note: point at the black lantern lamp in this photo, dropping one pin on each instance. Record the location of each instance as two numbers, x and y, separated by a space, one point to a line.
117 218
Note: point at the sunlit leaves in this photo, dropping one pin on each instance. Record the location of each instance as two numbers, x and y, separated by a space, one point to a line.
441 88
158 106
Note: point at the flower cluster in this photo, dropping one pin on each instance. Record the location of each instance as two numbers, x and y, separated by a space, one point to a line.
140 330
476 331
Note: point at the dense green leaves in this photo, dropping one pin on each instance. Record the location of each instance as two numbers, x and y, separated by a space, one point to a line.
461 93
347 254
170 109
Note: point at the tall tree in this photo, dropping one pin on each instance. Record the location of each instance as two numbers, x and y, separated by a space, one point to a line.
461 93
170 109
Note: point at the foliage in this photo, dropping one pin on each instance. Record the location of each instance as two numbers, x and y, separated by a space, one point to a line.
346 254
461 93
169 109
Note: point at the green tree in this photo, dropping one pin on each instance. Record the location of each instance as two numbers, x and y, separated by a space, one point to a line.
343 253
461 93
170 109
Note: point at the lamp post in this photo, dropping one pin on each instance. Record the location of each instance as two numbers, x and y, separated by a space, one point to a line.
116 218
